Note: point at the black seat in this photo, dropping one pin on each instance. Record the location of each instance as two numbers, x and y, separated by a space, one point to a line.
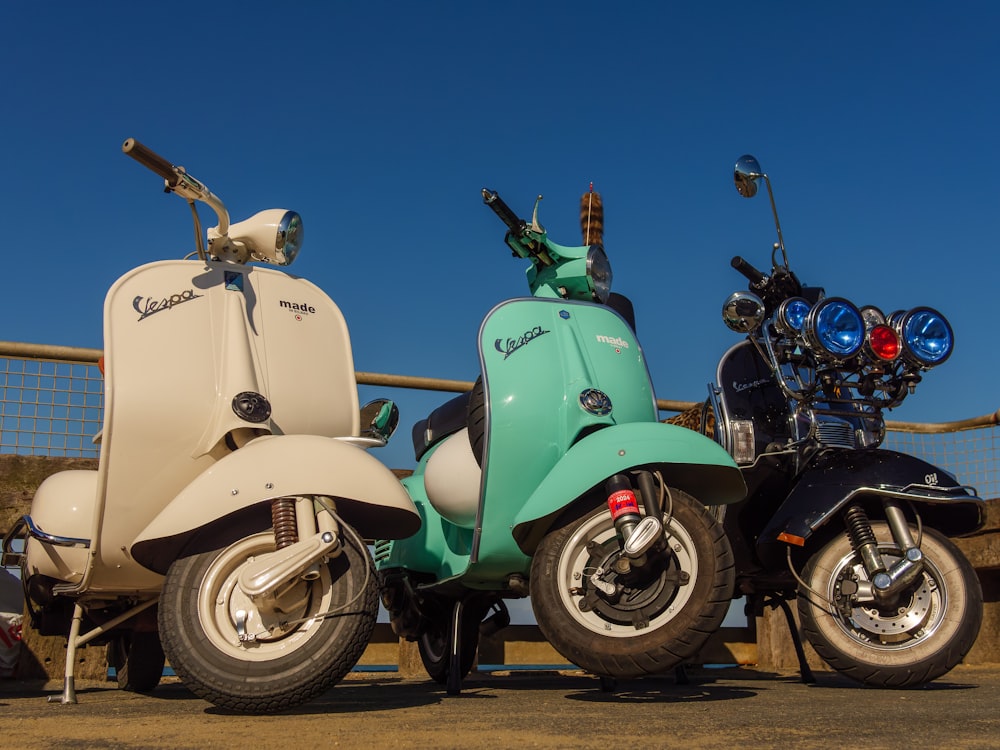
445 420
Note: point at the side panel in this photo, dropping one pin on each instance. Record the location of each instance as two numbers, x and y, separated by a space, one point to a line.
63 505
438 547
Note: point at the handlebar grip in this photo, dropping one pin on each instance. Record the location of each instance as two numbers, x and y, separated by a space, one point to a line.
492 199
751 273
151 160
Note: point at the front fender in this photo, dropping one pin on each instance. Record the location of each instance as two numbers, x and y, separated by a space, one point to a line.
838 477
367 494
688 461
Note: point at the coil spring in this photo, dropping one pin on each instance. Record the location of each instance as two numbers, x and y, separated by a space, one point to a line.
859 528
283 521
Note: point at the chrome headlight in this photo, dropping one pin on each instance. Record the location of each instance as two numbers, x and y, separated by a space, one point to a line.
272 236
834 329
599 271
872 316
791 315
926 335
743 312
289 238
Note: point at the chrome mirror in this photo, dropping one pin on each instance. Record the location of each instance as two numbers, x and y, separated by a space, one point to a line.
743 312
379 419
747 176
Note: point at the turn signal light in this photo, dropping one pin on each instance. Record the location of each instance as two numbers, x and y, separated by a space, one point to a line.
795 539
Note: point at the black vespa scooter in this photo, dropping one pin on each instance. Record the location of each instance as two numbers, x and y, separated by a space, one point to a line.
855 532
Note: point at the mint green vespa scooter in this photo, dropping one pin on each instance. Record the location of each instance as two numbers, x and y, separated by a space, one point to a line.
554 478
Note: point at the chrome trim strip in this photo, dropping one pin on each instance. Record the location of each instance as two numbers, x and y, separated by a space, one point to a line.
907 493
58 541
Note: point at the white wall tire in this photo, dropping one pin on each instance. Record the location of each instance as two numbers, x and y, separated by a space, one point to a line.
286 664
921 638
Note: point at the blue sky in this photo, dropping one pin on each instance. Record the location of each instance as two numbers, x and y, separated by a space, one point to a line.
380 122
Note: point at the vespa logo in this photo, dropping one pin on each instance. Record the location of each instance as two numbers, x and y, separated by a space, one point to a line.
614 341
151 306
931 479
506 348
739 387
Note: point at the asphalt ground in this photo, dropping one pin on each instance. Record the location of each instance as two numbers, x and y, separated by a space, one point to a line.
729 708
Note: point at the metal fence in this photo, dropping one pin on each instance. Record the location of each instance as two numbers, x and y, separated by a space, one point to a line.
969 453
52 404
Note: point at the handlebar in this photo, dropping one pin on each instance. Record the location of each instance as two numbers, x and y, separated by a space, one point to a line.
179 182
516 225
177 179
151 160
752 274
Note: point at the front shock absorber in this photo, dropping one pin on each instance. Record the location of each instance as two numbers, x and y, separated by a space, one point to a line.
862 538
283 521
623 505
637 535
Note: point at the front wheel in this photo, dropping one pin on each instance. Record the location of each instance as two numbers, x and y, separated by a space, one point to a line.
925 633
662 616
248 659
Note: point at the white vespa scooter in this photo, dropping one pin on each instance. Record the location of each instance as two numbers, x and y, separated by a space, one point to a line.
233 493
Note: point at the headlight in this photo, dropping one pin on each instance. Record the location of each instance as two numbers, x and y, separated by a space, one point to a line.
926 335
599 271
271 236
834 329
791 315
289 238
881 343
743 312
872 316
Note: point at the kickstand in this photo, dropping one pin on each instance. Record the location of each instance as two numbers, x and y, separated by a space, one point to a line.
804 671
69 685
454 686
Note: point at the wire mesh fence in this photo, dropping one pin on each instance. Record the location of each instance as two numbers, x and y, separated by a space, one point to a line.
970 454
50 407
52 404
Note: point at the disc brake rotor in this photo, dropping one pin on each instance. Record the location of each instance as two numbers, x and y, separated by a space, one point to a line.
916 614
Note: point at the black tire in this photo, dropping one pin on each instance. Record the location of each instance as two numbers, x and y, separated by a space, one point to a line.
434 645
930 629
654 627
283 667
137 659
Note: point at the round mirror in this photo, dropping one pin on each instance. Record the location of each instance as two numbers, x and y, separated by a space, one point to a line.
747 175
743 312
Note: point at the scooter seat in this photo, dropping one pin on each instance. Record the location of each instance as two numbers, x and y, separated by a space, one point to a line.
445 420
